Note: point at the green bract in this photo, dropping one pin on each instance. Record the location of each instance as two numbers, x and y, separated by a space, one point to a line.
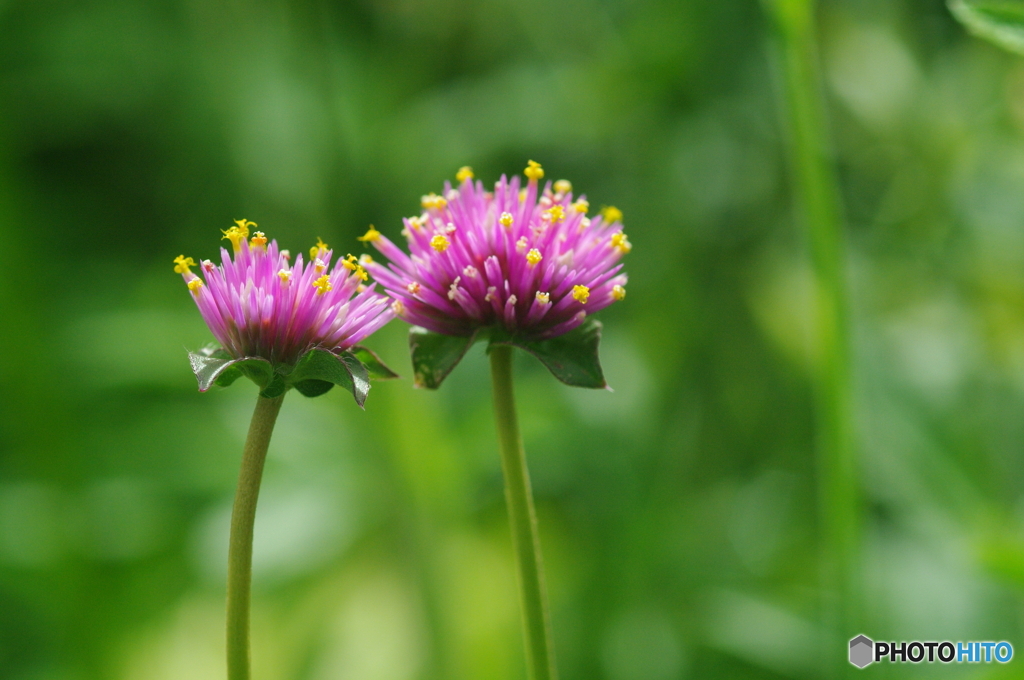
315 373
572 357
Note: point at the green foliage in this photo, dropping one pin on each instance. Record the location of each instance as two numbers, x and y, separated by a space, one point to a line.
315 373
571 357
999 21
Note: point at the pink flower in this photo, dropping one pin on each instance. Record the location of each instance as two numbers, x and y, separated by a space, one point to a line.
527 260
259 305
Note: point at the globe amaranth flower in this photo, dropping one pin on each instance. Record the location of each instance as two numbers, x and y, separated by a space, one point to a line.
527 260
259 305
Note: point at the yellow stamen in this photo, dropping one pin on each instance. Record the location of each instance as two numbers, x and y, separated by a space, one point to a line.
319 265
543 298
581 293
365 259
563 186
323 284
533 257
556 214
258 239
522 195
521 245
433 201
618 292
360 288
505 220
194 285
620 241
413 288
286 254
464 173
371 235
182 264
581 206
284 275
611 214
415 223
361 274
533 171
318 248
439 243
398 308
238 233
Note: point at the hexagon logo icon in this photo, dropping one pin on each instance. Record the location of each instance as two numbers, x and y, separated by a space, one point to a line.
861 651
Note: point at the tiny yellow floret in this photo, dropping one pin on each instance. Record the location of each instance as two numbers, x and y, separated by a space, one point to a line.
464 173
620 241
258 239
611 214
398 308
581 293
413 287
556 214
543 298
371 235
319 265
439 243
618 292
533 171
581 206
361 274
365 259
533 257
350 262
522 195
505 220
194 285
238 233
284 275
563 186
320 246
521 245
433 201
182 264
323 284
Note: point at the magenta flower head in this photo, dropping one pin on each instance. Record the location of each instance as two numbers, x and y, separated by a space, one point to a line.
520 266
285 325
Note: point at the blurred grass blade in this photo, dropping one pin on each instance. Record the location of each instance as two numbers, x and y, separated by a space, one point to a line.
998 21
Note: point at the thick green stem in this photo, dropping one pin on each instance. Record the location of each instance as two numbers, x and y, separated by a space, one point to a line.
540 656
819 209
243 515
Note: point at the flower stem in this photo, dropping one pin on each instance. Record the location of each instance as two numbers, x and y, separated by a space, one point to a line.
243 516
540 656
819 207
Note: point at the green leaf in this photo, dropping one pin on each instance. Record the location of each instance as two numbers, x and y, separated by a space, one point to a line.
998 21
435 355
319 365
209 365
276 388
215 366
313 388
360 377
572 357
375 367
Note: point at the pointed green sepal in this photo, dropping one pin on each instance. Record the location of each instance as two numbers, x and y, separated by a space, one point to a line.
435 355
374 366
572 357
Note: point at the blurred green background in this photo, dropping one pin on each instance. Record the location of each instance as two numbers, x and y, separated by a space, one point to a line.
678 514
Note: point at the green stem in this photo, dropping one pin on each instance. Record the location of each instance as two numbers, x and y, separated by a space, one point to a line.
243 515
818 190
540 656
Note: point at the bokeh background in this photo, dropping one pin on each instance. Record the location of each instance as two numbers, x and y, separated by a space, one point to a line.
678 515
